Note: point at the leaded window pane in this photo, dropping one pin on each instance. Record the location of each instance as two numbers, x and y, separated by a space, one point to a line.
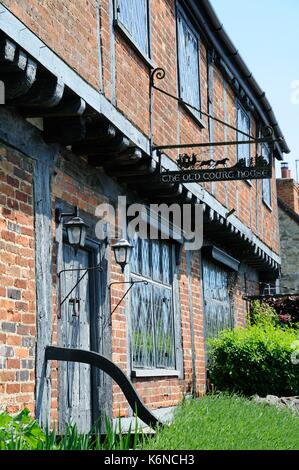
188 59
166 266
133 14
156 260
135 255
145 257
164 335
142 333
243 124
218 311
152 308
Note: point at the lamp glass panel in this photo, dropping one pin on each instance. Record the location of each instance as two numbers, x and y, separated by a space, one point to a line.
74 235
83 236
121 255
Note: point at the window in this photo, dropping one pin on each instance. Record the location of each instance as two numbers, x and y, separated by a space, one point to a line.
153 340
243 124
188 61
266 183
219 313
133 16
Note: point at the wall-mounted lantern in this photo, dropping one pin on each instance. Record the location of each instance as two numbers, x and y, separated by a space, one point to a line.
76 228
122 252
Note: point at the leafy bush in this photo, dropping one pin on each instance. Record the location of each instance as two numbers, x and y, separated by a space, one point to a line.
256 359
262 314
277 311
21 432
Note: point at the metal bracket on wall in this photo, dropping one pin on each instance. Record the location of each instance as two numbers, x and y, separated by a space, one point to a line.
132 283
258 168
86 270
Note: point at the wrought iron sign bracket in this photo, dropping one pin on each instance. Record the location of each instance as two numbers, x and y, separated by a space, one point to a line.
192 169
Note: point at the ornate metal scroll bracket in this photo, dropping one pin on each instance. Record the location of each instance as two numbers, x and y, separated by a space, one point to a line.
267 132
193 168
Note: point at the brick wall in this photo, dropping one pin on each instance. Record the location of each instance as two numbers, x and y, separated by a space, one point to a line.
66 26
73 36
17 282
288 192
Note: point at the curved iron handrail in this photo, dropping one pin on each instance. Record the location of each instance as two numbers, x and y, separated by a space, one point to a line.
96 360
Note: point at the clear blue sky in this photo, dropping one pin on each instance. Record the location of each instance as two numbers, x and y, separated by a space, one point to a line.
266 33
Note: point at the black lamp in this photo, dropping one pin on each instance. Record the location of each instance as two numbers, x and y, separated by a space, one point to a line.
122 252
76 228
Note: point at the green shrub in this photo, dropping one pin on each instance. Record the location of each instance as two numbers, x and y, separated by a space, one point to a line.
262 314
256 359
21 432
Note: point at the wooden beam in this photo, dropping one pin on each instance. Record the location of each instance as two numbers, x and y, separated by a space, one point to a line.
64 130
19 83
7 54
101 148
101 130
70 106
47 92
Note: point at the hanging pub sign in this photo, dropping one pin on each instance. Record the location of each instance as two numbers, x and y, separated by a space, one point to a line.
192 168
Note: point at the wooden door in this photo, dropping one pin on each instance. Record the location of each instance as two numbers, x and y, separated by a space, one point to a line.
75 388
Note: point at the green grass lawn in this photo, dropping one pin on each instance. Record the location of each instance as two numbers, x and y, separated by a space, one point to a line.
228 423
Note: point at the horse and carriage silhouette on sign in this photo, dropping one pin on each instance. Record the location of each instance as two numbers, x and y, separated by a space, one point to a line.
191 162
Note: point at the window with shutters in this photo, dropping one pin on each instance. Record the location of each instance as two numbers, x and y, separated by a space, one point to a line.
133 17
243 124
152 318
188 61
266 183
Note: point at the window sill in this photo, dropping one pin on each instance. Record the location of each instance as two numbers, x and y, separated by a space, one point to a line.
123 31
193 114
154 373
267 205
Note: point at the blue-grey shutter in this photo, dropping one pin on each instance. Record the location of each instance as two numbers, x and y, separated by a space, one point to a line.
243 124
188 58
266 185
133 14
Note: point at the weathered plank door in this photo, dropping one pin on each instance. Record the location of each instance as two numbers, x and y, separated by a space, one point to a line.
219 314
75 391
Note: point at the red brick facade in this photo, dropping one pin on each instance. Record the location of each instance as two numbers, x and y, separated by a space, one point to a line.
17 299
288 192
71 30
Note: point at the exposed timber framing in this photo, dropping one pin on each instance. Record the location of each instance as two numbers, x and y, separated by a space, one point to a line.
23 137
